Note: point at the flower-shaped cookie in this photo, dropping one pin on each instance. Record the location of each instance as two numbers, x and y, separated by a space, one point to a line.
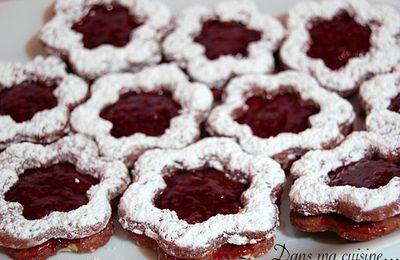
252 224
101 36
315 193
380 98
233 38
281 115
59 191
128 114
36 99
341 42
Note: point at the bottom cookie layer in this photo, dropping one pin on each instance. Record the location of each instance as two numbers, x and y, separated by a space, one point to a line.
53 246
227 251
344 227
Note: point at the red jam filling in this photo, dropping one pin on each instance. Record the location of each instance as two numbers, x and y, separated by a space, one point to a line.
23 101
59 187
226 38
338 40
147 113
348 224
197 195
395 104
106 24
366 173
229 251
53 246
343 226
283 113
226 251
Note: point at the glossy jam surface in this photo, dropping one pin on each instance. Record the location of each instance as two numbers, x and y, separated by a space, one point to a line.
106 24
23 101
366 173
338 40
226 38
395 104
197 195
147 113
59 187
270 117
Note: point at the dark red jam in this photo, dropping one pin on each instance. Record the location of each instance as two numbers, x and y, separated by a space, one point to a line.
366 173
226 38
23 101
59 187
395 104
282 114
197 195
106 24
338 40
147 113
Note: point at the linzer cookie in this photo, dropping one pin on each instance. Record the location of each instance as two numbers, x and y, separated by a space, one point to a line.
341 42
97 37
36 99
233 38
57 197
282 115
353 189
380 98
210 200
128 114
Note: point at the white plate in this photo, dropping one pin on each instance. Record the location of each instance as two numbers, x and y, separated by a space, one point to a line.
21 19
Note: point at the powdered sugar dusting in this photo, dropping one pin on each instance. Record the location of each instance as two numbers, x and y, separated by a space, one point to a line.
180 47
194 98
46 125
325 126
311 195
87 220
376 95
377 92
258 217
384 54
384 122
143 48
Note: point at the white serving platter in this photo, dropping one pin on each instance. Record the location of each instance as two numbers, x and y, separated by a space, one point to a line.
19 22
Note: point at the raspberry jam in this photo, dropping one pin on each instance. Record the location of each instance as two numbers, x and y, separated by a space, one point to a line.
366 173
226 38
147 113
59 187
395 104
106 24
283 113
23 101
338 40
197 195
